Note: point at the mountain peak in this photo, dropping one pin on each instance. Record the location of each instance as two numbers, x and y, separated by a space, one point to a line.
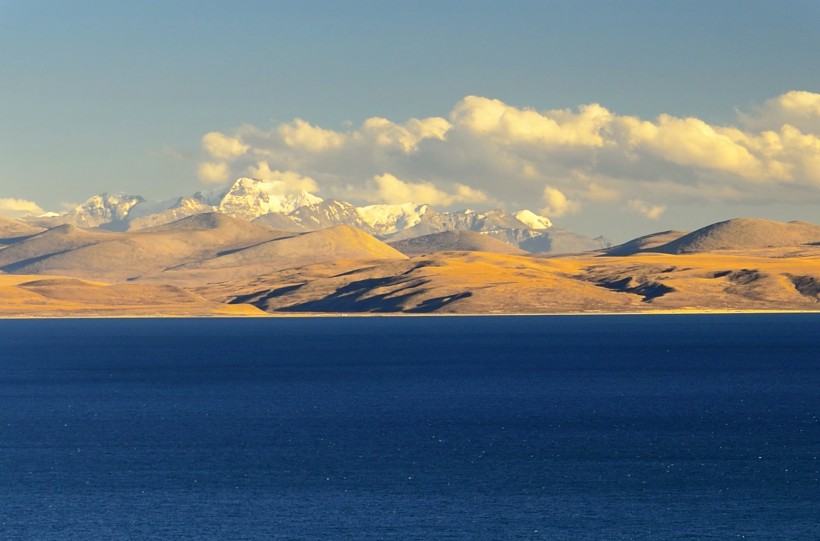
533 220
386 219
103 209
250 198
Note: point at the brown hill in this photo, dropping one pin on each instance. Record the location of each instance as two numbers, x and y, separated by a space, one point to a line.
448 241
29 296
483 283
13 229
644 244
70 251
57 240
743 234
340 242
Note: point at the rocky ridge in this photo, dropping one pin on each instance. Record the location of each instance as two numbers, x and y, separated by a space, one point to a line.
275 204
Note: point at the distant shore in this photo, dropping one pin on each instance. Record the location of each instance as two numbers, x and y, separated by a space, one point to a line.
312 315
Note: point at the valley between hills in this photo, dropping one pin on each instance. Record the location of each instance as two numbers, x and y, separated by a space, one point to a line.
211 264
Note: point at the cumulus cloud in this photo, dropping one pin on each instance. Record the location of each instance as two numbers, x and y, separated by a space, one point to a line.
293 180
797 108
511 125
486 150
19 208
557 204
653 212
404 136
302 135
391 190
213 172
223 147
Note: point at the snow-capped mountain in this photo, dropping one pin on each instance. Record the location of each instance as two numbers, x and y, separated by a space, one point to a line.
385 220
251 198
102 209
143 215
532 220
327 214
275 204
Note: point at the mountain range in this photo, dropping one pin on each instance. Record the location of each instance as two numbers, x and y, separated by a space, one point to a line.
274 204
231 254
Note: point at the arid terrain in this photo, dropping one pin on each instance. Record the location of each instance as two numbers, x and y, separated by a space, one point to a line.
214 265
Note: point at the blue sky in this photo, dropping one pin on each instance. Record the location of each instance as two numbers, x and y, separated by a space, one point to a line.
118 96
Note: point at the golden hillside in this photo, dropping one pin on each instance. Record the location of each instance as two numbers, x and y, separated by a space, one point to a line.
212 264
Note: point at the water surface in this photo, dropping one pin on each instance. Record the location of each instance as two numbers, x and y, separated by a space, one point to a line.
616 427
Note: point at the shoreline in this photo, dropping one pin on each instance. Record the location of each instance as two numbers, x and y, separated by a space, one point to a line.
340 315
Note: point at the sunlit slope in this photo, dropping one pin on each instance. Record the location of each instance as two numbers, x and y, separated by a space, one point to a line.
71 251
339 242
58 240
449 282
209 247
176 267
292 251
38 296
11 228
474 282
743 234
713 281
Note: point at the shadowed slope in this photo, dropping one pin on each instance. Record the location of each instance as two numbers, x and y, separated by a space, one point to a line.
484 283
644 244
743 233
467 241
447 282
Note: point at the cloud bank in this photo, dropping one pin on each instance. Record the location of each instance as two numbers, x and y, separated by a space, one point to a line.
19 208
559 161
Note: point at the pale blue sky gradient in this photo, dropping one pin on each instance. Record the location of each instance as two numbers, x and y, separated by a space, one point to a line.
116 95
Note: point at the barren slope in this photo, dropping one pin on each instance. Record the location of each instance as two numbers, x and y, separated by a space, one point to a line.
644 244
743 234
71 251
474 282
468 241
39 296
11 229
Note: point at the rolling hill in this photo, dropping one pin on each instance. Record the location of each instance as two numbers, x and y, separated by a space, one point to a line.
743 234
210 262
468 241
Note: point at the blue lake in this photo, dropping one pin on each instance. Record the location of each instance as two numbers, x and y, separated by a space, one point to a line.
593 427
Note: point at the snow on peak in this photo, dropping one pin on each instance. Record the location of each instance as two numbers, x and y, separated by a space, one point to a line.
104 208
386 219
249 198
533 220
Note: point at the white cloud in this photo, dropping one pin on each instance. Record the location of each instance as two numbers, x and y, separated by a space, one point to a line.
294 181
691 142
796 108
391 190
404 136
489 151
302 135
557 204
213 172
653 212
223 147
511 125
19 208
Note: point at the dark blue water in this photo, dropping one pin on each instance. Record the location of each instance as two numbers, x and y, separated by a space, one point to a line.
599 427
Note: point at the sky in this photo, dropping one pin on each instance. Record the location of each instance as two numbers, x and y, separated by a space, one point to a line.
612 117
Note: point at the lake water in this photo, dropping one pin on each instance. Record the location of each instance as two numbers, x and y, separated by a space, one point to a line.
594 427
